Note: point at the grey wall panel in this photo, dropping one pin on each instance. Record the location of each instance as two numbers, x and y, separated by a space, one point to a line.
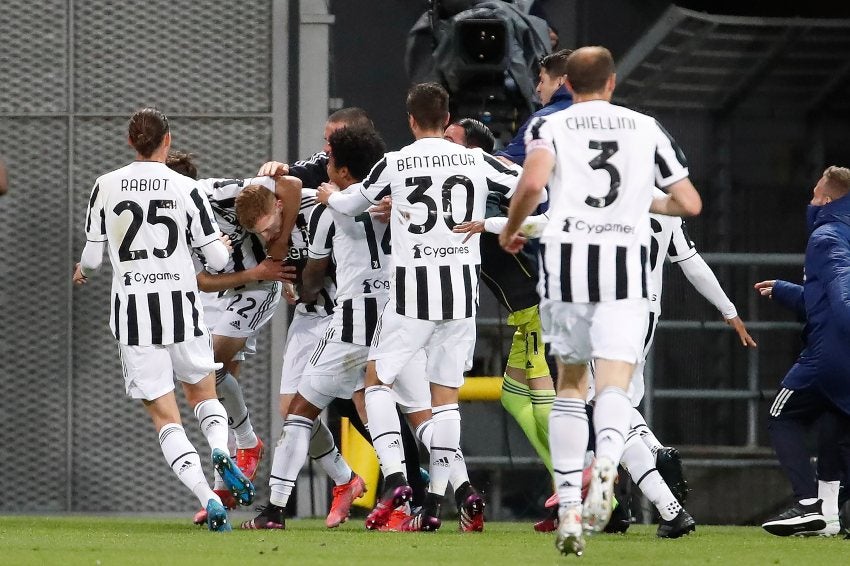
33 58
35 292
191 57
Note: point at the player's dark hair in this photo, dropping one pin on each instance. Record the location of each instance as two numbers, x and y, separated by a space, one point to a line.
182 162
352 116
147 129
589 68
477 134
356 148
555 64
428 103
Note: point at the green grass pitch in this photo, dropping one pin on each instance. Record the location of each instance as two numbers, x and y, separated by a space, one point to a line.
104 541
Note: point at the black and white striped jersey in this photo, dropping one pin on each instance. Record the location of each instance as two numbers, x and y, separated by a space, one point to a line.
298 252
436 184
248 248
360 248
608 159
150 217
669 240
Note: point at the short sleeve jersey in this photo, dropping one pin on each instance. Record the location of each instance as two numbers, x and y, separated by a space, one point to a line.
360 249
435 185
608 159
670 240
298 252
150 217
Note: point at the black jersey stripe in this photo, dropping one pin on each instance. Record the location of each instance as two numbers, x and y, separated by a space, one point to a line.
446 292
566 280
116 312
315 216
195 315
499 166
377 169
132 322
93 198
347 321
643 257
621 274
203 212
467 291
400 274
177 310
370 316
593 273
421 274
155 318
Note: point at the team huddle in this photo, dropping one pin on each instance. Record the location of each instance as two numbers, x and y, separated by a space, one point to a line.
389 249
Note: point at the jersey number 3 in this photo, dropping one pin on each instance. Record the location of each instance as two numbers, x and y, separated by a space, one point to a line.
608 148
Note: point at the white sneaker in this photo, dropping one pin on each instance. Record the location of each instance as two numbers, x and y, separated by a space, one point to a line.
570 537
600 496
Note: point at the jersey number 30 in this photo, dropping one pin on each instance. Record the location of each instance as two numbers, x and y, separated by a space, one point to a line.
422 184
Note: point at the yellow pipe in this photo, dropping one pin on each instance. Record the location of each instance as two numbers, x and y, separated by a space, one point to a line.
481 389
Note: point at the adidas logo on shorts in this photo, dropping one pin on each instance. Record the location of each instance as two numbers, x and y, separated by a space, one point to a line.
444 462
235 324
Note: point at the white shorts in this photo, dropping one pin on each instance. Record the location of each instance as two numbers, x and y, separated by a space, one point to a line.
214 305
149 371
637 388
304 333
411 389
335 369
247 311
448 345
580 332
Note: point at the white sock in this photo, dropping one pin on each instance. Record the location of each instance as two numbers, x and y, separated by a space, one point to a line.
212 419
641 465
828 492
611 416
568 434
185 462
230 394
384 428
445 442
639 424
459 473
289 456
323 449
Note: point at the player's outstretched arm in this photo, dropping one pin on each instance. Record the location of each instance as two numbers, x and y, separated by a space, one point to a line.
273 169
350 203
538 165
682 199
90 261
738 325
267 270
705 282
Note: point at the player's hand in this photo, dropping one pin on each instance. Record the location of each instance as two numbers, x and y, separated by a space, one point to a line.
765 288
78 277
289 293
273 169
225 239
512 243
272 270
323 194
381 211
738 324
469 228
